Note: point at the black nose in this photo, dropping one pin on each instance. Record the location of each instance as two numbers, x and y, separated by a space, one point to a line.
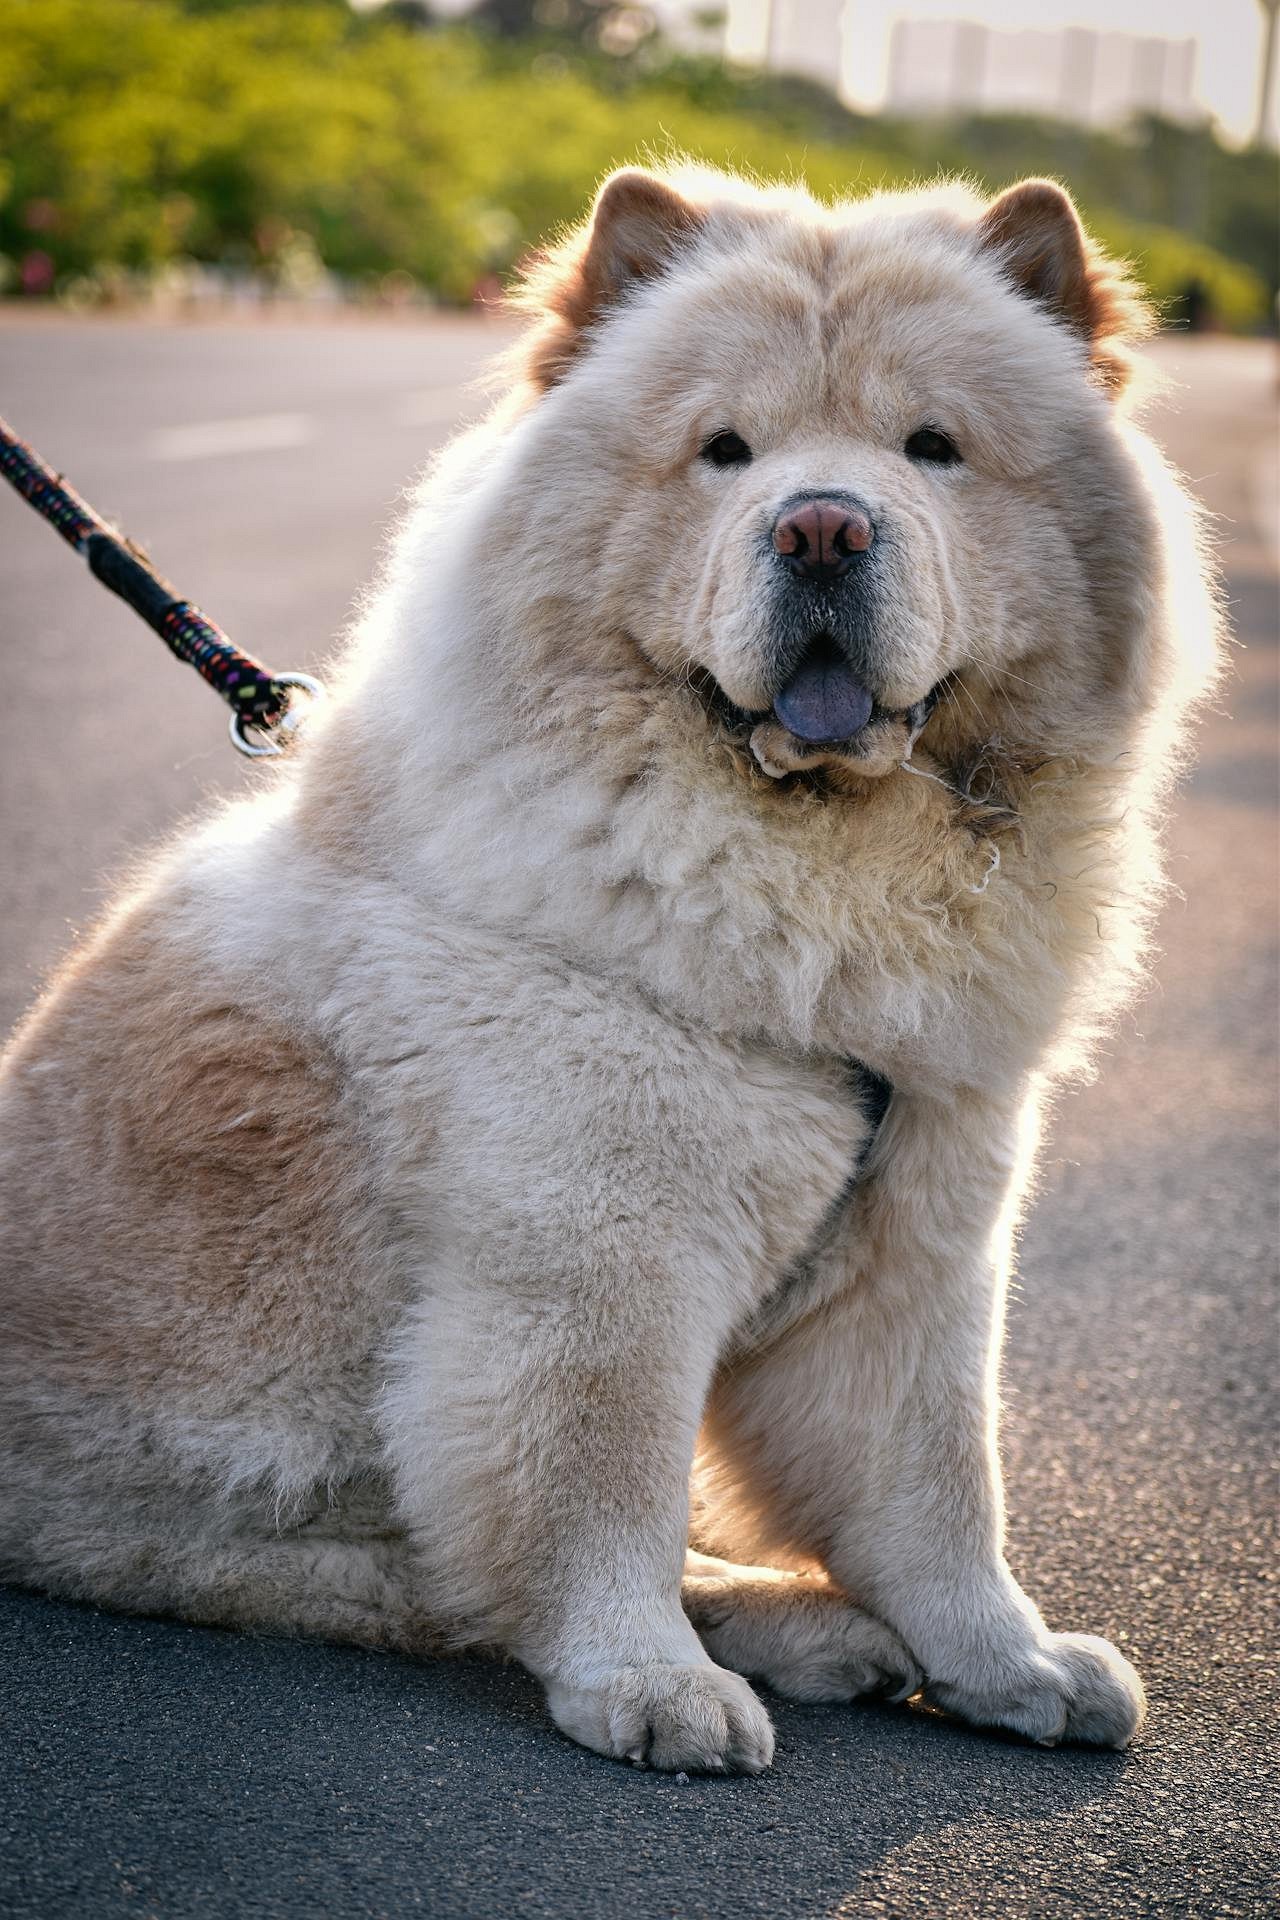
821 538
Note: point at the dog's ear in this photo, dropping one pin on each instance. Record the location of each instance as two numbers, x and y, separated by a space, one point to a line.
1035 232
636 228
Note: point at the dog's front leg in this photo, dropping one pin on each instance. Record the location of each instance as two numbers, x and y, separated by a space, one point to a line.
864 1434
542 1435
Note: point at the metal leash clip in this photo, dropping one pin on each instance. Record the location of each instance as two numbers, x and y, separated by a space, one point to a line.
290 720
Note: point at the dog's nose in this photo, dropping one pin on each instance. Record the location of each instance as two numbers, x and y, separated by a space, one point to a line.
821 538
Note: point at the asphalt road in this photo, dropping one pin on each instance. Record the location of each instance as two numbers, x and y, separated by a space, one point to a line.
155 1770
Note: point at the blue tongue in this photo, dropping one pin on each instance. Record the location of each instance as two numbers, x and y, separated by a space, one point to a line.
822 703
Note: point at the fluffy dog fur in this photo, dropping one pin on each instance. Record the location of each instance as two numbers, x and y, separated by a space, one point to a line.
436 1150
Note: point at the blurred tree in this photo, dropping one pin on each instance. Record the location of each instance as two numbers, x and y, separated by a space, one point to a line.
418 14
602 24
233 6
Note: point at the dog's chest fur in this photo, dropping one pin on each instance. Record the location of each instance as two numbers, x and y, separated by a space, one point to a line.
520 1134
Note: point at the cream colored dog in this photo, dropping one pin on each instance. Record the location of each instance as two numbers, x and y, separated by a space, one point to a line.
764 714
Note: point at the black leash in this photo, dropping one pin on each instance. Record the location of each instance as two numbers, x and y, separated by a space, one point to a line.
258 699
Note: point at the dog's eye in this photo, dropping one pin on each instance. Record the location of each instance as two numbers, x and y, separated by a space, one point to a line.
727 450
928 444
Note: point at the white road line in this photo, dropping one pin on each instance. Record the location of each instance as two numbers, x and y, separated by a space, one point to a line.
205 439
436 407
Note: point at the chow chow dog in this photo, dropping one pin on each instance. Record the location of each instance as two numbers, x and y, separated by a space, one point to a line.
541 1174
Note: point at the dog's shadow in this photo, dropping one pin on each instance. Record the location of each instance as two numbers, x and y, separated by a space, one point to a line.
163 1769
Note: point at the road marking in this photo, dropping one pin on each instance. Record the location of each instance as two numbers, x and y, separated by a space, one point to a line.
206 439
433 406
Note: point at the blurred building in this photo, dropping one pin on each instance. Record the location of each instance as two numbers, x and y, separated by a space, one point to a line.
1088 75
806 37
957 66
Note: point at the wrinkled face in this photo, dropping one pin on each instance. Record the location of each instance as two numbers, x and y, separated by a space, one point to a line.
826 469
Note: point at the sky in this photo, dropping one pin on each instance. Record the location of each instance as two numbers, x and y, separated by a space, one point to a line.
1228 35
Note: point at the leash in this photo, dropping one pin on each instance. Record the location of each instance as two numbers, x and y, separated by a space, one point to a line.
259 700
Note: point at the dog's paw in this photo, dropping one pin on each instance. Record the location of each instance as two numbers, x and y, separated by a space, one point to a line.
1071 1686
692 1719
853 1657
806 1642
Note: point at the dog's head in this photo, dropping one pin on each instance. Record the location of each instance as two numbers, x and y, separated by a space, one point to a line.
821 462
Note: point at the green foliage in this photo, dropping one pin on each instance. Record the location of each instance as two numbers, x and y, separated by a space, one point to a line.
137 132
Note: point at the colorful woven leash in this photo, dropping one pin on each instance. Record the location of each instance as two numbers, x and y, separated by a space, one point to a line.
258 699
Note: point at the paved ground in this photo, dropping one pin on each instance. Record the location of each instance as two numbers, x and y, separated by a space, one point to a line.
155 1770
